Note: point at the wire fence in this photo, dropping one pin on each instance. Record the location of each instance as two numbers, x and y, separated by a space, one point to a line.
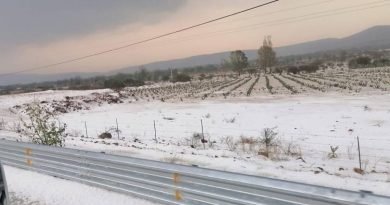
172 132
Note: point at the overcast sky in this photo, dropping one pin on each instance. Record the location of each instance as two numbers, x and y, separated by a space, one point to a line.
39 32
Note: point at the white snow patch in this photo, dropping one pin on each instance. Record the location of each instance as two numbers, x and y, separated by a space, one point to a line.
46 190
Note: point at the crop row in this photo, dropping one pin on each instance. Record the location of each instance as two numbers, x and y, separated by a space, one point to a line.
248 93
289 87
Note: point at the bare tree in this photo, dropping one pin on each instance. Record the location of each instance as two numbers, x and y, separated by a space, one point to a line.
267 56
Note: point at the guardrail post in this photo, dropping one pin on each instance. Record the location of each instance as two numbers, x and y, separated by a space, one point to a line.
3 187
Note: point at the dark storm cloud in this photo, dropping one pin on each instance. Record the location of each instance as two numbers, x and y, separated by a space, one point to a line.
36 21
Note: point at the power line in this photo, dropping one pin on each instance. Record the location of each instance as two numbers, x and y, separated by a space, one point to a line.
138 42
279 11
277 22
282 21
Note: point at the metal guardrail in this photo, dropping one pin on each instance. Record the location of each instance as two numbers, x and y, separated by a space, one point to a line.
172 184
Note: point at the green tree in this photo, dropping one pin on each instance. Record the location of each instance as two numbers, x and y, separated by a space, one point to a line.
43 127
342 56
143 74
267 56
360 62
115 84
238 60
363 61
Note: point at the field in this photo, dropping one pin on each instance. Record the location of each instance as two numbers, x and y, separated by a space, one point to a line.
219 123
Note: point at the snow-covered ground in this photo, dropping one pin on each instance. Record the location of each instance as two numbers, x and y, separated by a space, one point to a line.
31 188
307 125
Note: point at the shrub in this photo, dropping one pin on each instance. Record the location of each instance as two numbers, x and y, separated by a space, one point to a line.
231 120
332 153
230 143
181 77
105 135
2 124
42 127
310 68
173 160
114 84
292 69
202 76
195 139
359 62
247 141
292 149
269 139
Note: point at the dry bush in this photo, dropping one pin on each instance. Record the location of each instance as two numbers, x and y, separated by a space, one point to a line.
365 164
269 140
358 170
292 149
350 153
193 141
230 143
366 108
333 153
2 124
16 127
231 120
249 142
173 159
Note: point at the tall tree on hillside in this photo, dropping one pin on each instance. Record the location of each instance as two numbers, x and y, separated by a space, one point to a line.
267 56
143 74
239 61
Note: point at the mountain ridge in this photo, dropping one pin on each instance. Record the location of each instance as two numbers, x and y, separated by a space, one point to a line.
376 37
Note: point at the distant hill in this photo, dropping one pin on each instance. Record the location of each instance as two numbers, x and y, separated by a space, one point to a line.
377 37
32 78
